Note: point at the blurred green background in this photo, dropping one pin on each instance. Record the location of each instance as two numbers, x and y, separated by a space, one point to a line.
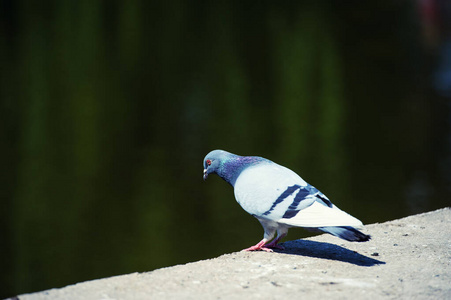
109 107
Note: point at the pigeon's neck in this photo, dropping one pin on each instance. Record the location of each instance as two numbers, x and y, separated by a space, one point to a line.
232 168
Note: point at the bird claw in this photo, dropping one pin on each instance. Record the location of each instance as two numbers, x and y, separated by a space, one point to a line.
255 248
260 246
275 243
266 247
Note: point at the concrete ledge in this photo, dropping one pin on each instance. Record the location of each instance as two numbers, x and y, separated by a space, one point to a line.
409 258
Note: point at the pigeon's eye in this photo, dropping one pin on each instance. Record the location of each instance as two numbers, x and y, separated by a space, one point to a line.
208 162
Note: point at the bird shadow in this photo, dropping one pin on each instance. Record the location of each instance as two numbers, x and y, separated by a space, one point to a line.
327 251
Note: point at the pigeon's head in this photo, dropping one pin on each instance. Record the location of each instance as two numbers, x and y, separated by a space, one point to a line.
227 165
214 161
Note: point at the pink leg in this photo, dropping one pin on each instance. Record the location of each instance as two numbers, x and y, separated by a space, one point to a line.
273 244
259 246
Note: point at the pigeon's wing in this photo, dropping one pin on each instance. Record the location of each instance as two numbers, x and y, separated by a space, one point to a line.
266 187
273 192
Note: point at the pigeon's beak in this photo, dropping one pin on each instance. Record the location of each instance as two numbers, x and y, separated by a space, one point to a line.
205 174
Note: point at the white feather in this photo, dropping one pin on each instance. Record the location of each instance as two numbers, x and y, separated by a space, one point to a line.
319 215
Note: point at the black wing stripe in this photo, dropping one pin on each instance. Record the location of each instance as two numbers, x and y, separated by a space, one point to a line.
323 200
292 209
290 190
303 193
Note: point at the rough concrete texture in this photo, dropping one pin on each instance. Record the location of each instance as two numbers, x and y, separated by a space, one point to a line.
408 258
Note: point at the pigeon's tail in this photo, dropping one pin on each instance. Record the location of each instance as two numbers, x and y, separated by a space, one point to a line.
347 233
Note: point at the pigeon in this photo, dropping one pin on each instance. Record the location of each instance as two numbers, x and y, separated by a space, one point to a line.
279 199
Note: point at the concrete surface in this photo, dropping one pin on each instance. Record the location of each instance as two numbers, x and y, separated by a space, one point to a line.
408 258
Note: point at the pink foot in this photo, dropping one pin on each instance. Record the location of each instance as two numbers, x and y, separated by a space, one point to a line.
259 246
274 243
